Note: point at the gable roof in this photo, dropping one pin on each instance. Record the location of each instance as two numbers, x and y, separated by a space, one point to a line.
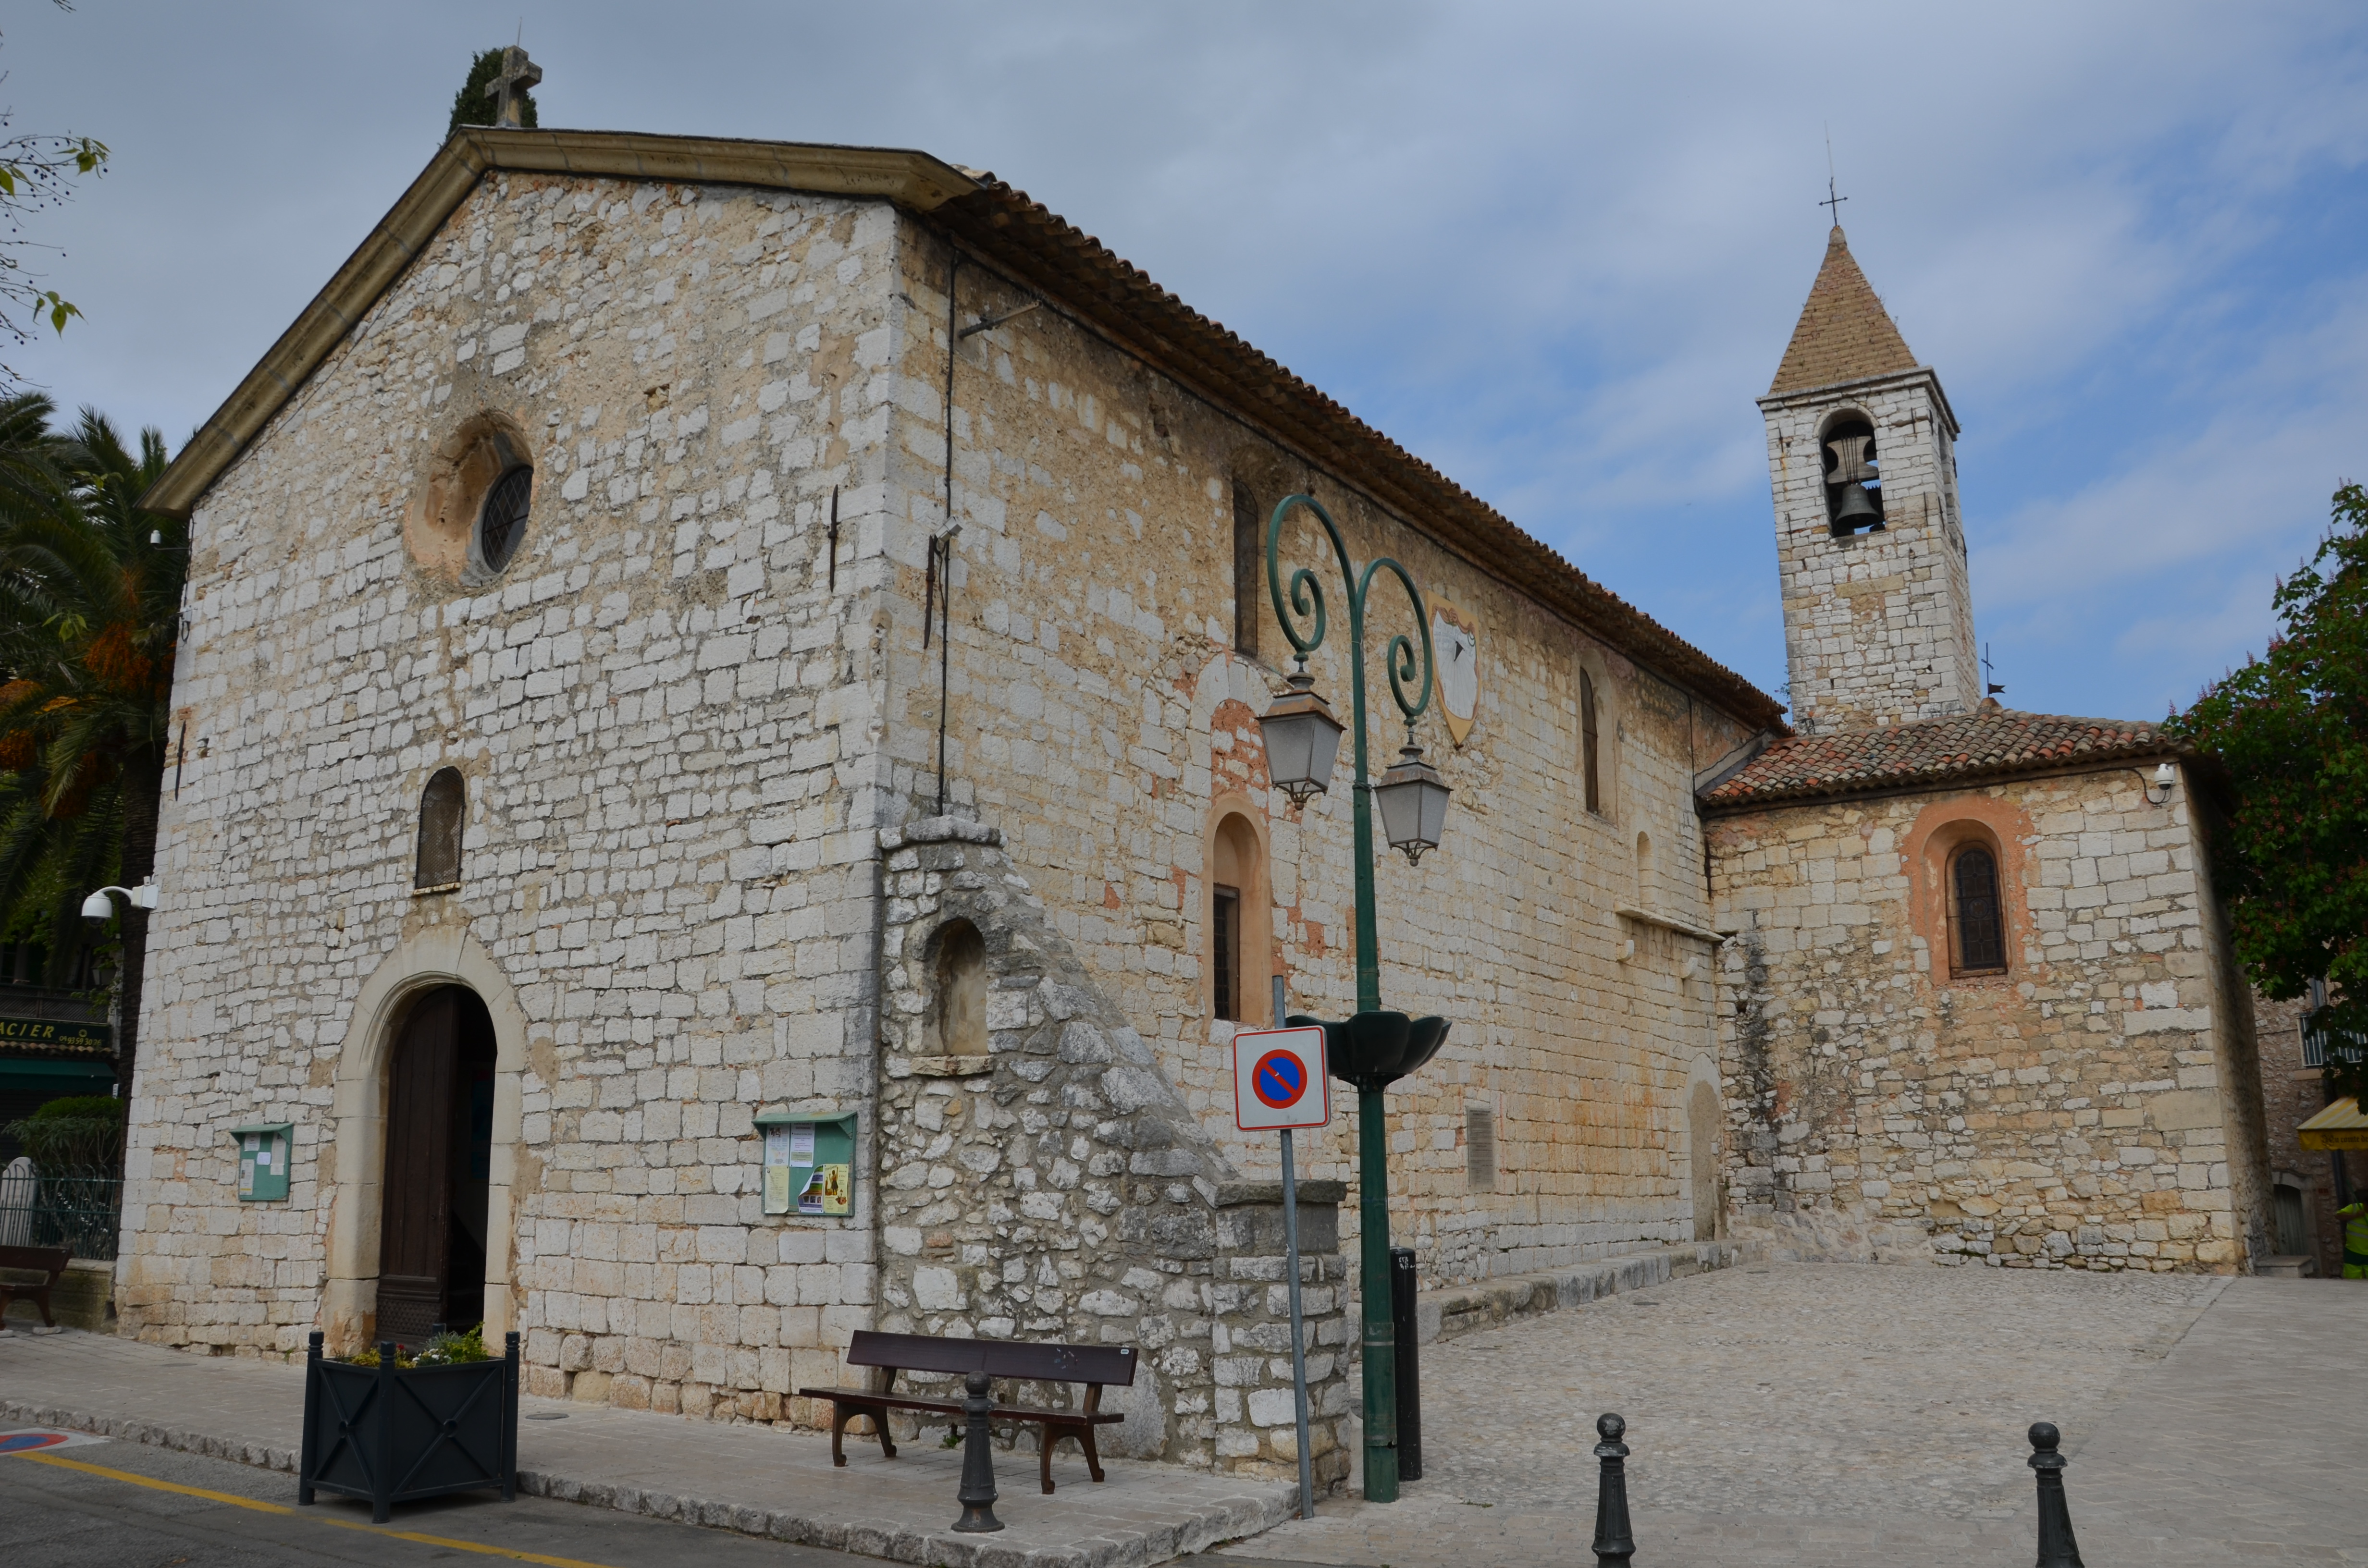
1844 334
1004 228
1963 748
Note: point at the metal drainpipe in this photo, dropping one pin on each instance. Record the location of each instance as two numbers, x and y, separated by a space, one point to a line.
942 549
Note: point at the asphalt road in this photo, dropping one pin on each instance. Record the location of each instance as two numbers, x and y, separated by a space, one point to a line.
127 1506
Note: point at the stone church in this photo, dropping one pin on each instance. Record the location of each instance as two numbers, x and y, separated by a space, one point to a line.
721 804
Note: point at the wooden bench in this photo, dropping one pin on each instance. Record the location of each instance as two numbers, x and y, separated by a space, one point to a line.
1095 1365
48 1262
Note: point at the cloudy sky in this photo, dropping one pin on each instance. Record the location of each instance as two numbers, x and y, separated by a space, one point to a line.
1556 249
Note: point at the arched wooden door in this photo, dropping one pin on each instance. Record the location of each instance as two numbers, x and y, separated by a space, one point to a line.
439 1124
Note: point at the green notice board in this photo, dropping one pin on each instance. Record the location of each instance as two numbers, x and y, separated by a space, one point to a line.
809 1161
263 1149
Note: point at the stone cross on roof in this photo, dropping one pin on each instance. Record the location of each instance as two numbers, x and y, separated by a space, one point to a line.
517 75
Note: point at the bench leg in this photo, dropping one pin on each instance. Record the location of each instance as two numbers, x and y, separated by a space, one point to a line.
1044 1457
1093 1455
841 1414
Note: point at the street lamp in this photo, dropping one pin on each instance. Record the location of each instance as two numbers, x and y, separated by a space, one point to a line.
1301 739
98 907
1374 1047
1413 798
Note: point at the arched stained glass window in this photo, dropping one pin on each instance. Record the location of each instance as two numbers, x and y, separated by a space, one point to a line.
1590 747
1249 568
443 813
1977 925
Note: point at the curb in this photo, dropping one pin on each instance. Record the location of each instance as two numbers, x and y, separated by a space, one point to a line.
1492 1303
1231 1518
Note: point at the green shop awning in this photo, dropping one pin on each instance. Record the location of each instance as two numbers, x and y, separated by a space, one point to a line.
66 1076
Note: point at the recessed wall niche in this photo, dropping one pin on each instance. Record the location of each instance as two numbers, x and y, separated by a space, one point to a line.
449 528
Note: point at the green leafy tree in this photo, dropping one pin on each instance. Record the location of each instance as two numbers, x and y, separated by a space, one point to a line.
90 591
2291 729
474 104
84 1130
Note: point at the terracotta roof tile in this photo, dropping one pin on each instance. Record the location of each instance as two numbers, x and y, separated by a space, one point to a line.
1844 333
1990 743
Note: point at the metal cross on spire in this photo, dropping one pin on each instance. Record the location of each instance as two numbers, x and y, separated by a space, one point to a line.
1832 200
518 73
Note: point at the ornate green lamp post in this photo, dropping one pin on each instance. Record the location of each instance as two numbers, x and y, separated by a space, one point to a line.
1375 1047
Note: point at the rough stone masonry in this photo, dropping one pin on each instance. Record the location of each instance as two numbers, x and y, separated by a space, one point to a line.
708 870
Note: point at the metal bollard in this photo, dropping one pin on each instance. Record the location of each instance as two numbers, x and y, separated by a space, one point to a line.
977 1494
1614 1542
2056 1547
1402 1282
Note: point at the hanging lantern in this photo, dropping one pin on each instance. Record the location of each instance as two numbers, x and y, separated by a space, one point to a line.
1301 739
1413 798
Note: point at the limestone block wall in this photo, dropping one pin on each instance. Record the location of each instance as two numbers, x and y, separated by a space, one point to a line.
1878 627
1055 1186
2097 1106
664 710
1097 711
2292 1093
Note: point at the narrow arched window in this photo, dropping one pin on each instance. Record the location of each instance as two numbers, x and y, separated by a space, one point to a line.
443 811
1647 883
957 1002
1249 551
1239 966
1590 749
1976 923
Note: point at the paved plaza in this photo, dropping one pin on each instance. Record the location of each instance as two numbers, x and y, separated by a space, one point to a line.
1818 1416
1843 1415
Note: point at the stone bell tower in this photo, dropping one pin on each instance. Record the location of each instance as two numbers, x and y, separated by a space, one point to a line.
1871 547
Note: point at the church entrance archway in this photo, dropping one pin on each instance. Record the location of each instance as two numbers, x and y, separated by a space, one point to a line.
437 1180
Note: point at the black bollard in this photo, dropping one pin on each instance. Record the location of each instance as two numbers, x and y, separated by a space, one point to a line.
1402 1293
1614 1543
2056 1547
977 1494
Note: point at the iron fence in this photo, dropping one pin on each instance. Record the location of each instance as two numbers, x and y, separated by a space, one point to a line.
74 1207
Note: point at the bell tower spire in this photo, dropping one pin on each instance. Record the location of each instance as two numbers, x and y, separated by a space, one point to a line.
1869 545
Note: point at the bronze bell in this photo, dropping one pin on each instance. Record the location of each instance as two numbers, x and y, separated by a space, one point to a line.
1856 511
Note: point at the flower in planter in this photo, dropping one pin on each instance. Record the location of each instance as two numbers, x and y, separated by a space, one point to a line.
442 1349
449 1350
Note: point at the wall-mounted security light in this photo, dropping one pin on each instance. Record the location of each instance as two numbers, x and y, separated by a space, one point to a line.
98 906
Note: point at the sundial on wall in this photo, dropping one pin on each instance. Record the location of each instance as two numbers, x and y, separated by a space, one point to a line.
1455 662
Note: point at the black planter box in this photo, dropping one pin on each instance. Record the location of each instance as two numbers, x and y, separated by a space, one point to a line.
394 1435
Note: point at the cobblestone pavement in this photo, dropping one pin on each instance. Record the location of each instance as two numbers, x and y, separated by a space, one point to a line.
1839 1416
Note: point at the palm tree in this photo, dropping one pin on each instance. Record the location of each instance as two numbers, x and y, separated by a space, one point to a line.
90 598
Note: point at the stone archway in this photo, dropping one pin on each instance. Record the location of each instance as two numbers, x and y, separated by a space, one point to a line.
435 958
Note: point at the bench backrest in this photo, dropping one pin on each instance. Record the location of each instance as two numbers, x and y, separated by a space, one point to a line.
1106 1364
51 1261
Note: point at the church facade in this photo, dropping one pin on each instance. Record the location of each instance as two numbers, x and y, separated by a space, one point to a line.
722 804
1982 1004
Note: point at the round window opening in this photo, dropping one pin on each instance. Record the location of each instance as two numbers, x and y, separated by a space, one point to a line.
502 524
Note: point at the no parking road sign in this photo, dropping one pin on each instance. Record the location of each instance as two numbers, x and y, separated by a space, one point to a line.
1278 1080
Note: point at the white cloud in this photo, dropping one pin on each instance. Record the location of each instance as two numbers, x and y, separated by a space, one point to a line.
1556 250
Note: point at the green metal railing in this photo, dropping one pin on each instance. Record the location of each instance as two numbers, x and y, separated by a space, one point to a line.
76 1207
